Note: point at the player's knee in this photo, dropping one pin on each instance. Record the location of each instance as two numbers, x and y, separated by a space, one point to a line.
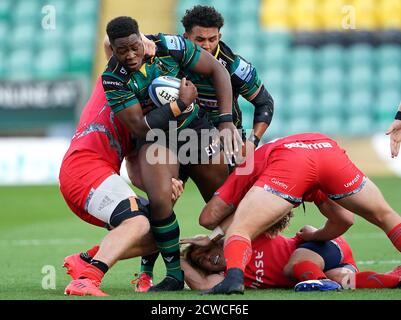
130 208
288 270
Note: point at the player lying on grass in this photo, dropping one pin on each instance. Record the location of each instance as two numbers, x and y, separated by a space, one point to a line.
280 262
287 172
395 134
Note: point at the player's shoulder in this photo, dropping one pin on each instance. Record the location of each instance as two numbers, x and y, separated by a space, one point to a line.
169 42
236 65
115 72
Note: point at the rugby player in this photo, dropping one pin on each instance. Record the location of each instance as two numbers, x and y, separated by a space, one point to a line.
202 26
125 82
92 187
395 134
286 173
280 262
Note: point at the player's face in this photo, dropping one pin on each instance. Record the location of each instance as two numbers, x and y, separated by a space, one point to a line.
206 38
129 51
211 259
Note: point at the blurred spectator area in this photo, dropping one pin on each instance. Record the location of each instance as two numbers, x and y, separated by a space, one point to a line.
331 65
46 61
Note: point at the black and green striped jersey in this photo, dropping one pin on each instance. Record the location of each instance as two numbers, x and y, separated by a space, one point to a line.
244 80
174 56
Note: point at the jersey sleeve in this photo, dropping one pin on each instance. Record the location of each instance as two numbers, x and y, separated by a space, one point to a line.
185 52
119 96
244 77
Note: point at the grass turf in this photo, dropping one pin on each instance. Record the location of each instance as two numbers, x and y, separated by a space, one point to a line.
38 230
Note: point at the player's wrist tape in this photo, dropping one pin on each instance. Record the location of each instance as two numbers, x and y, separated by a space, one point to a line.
254 139
398 115
177 107
225 117
216 232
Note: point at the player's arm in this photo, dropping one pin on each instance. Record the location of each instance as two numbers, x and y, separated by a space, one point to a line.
395 134
339 220
129 111
192 57
246 81
197 280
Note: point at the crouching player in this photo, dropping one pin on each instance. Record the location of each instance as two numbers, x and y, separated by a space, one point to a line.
280 262
286 173
93 189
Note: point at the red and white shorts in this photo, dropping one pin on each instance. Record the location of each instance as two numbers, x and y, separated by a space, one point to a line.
91 187
294 169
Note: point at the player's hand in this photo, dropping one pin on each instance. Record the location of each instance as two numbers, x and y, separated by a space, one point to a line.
247 148
232 141
307 233
395 137
188 92
202 241
178 189
149 46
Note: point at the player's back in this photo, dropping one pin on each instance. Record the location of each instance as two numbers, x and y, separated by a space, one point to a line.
99 131
269 257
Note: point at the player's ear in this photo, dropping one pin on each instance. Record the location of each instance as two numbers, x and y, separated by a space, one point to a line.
219 36
185 35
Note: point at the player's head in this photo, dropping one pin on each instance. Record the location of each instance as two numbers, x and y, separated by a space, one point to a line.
280 225
206 259
126 42
202 26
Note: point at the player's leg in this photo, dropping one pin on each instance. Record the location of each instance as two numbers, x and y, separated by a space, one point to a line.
156 176
371 205
351 279
310 261
346 184
256 212
209 177
113 202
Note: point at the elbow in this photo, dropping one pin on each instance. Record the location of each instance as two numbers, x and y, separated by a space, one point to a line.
206 222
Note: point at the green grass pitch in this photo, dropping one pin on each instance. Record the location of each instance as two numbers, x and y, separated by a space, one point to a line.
37 230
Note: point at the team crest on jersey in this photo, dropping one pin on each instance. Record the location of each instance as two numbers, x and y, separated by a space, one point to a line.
224 63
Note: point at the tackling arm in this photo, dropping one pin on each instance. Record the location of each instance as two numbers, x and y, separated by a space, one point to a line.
339 220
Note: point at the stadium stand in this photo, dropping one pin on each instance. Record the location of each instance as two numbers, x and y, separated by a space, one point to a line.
331 65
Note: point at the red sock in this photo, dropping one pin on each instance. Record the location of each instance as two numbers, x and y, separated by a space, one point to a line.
92 252
93 273
237 252
395 236
373 280
307 270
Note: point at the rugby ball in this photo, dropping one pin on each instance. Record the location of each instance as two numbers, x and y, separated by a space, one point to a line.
164 90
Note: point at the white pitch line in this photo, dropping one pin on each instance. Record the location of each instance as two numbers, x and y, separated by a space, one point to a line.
370 262
40 242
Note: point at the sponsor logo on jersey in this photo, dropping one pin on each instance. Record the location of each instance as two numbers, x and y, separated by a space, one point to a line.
113 83
105 202
208 103
279 183
244 70
174 43
311 146
259 273
352 182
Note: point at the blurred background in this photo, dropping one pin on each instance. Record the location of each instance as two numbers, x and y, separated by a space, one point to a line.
332 66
